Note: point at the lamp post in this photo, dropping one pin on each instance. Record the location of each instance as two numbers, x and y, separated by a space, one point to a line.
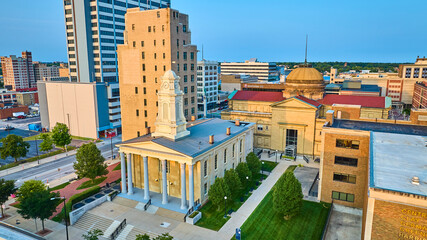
65 213
276 156
262 171
225 205
37 149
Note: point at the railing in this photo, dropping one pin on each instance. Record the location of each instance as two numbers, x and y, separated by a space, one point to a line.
305 158
119 228
188 213
327 221
310 192
147 205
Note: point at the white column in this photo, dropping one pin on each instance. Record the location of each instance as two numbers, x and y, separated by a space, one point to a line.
123 168
130 186
183 188
191 193
146 181
164 183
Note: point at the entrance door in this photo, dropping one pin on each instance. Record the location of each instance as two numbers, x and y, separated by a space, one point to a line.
291 137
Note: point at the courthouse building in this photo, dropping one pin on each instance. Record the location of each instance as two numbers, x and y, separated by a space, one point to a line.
176 164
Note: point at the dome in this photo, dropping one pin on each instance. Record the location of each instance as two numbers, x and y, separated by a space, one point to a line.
304 74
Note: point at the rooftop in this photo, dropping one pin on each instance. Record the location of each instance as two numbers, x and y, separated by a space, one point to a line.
396 159
198 140
364 101
380 127
312 102
263 96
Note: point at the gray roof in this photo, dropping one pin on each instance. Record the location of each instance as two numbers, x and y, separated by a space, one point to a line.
396 159
198 140
380 127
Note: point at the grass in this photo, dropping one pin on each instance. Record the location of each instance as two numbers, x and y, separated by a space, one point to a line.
59 186
32 159
265 223
269 166
32 138
118 167
91 183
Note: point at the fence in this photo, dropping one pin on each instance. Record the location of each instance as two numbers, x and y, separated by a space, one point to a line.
118 230
147 205
327 221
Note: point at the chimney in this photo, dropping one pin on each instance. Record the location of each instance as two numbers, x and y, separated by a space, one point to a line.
211 139
193 118
330 117
237 122
415 181
228 131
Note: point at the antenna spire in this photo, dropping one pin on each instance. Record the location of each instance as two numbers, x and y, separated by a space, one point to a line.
306 41
202 53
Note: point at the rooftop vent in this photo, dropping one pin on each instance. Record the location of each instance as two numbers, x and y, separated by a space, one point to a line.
211 139
415 181
228 131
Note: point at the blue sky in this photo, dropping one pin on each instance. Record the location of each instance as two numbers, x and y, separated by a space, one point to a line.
235 30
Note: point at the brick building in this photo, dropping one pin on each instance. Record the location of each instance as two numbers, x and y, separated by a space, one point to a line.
18 72
419 100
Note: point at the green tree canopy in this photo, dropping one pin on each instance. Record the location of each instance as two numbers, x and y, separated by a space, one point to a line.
232 180
13 146
218 191
287 195
47 143
38 205
7 187
164 236
90 162
254 163
243 171
61 135
142 237
29 187
92 234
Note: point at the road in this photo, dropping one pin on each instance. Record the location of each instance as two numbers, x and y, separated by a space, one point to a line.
57 168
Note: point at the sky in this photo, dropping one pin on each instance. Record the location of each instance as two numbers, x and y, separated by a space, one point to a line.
236 30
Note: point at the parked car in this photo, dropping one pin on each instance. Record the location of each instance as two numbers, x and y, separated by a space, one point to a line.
21 117
8 128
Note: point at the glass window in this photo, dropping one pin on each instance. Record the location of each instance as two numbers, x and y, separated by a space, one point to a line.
216 161
291 137
346 161
342 143
225 155
205 168
343 196
348 178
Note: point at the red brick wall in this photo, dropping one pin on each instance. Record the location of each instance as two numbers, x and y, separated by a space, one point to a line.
8 112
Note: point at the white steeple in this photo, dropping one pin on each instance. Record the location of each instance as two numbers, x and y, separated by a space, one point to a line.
170 121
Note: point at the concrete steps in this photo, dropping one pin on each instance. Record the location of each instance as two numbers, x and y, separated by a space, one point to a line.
111 229
125 232
125 202
90 221
135 231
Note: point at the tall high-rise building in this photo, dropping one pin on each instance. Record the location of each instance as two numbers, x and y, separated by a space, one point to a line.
94 28
207 85
18 72
155 41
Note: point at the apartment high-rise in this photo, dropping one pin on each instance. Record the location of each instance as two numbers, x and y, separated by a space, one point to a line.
155 41
18 72
207 85
41 70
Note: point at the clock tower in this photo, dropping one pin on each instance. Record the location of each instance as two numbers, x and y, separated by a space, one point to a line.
170 120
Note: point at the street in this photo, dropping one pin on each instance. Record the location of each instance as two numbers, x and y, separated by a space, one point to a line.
58 168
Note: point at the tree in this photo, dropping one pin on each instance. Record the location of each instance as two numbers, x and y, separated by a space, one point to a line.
90 162
7 187
60 135
13 146
233 182
92 234
287 195
29 187
142 237
254 164
218 191
243 171
38 205
164 236
47 143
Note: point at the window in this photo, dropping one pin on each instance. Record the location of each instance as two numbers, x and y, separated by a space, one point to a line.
291 137
241 142
137 112
154 28
185 89
133 26
343 196
154 42
205 168
216 161
192 99
136 90
185 55
177 55
177 42
185 67
192 55
143 67
177 29
346 161
192 78
163 28
164 42
138 133
205 188
146 124
142 54
186 112
155 55
185 78
192 111
348 178
185 101
158 14
145 102
144 79
234 145
259 127
155 67
142 43
145 113
225 155
145 90
353 144
164 55
149 28
192 88
192 67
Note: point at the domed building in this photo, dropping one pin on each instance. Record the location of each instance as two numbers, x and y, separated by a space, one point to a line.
305 81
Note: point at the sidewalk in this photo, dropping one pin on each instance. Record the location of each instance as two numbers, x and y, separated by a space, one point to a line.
46 160
239 217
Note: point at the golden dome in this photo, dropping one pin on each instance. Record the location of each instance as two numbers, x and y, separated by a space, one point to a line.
304 74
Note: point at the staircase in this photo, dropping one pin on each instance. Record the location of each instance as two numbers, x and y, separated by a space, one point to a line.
90 221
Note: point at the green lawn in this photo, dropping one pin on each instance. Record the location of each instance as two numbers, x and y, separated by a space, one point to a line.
118 167
32 138
89 183
265 223
59 186
269 166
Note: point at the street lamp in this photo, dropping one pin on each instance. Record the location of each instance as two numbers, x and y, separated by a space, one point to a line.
276 156
262 171
225 204
65 213
37 149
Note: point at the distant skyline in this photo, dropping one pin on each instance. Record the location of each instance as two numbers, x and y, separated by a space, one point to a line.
352 31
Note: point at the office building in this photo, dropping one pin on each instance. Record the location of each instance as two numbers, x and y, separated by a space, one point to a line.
207 86
175 166
41 71
156 41
264 71
233 82
18 72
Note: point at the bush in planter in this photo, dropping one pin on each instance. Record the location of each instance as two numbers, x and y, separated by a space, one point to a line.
194 214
